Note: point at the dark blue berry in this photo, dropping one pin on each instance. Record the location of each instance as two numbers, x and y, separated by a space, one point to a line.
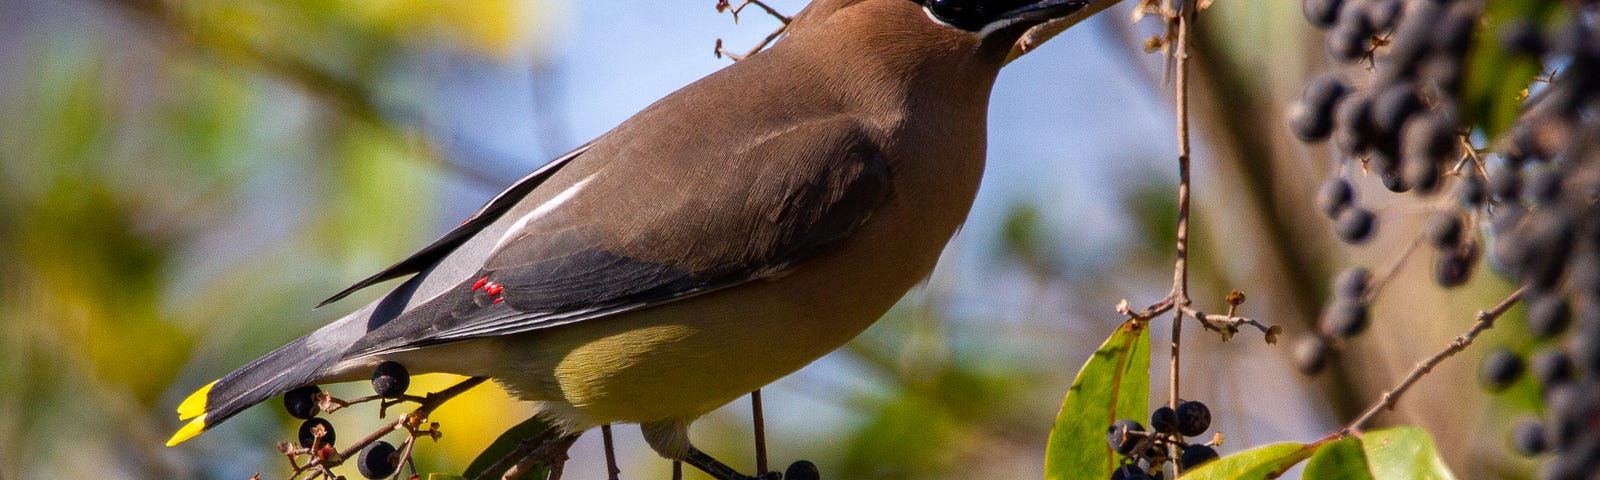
1352 283
302 402
1129 472
378 460
1322 13
1311 355
1551 366
1500 369
1335 196
1472 191
1124 436
802 470
1344 318
390 380
1528 437
1164 420
1311 118
1355 225
1196 455
1521 37
1454 266
308 435
1194 418
1549 315
1445 230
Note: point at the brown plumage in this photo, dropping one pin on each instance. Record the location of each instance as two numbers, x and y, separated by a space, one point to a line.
724 237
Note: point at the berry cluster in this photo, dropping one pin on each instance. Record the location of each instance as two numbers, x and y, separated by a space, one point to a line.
1536 189
1546 190
317 437
1145 453
1398 118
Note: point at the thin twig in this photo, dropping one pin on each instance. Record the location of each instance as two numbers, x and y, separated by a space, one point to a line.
1485 321
722 52
1391 270
1149 313
1229 324
405 456
328 404
1180 275
408 422
725 6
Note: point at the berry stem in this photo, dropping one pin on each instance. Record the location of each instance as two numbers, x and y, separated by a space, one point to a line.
428 404
1229 324
1485 321
1390 270
1180 24
405 458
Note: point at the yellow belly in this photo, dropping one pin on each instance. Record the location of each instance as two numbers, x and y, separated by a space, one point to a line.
684 359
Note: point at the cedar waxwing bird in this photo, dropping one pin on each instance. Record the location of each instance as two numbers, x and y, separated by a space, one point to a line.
718 240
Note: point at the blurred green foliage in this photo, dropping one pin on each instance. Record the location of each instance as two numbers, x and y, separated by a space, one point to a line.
180 181
943 405
1497 82
159 205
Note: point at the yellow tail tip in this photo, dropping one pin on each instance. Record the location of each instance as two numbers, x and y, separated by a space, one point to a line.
195 405
189 430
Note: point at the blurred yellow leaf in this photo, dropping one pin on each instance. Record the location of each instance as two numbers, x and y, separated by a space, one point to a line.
471 421
490 27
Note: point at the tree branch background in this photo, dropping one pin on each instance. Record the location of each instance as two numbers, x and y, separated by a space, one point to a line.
181 181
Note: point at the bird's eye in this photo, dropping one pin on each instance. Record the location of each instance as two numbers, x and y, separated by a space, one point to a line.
964 14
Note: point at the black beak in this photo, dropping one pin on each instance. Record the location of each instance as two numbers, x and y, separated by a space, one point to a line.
1036 13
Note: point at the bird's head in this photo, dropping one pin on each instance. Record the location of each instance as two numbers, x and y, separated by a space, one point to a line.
1008 28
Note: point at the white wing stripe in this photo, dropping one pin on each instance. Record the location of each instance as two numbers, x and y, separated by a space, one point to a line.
518 229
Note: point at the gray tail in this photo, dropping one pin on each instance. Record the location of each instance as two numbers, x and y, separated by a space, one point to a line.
301 362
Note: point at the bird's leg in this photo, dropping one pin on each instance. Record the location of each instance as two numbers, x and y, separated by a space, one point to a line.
670 438
611 453
761 431
722 471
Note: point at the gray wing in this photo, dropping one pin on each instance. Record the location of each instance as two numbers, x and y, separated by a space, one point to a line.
485 215
637 239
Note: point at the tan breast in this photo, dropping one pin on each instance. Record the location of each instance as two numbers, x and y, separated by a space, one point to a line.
683 359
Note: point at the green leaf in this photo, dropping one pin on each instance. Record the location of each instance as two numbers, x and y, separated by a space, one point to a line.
1401 453
1339 460
1113 384
1404 452
445 476
1494 79
1256 463
504 445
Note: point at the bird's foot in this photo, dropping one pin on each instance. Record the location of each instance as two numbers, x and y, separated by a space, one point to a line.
801 470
